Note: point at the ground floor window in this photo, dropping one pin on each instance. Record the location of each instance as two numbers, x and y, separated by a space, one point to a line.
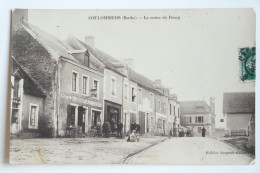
33 116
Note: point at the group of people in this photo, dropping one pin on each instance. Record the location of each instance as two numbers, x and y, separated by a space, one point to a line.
109 127
181 133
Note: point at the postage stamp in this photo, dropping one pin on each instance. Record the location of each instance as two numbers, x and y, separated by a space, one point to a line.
247 63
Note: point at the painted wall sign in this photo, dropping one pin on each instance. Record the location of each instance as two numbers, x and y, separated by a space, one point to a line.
80 100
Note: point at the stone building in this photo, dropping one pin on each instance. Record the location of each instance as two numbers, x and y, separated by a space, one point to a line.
65 72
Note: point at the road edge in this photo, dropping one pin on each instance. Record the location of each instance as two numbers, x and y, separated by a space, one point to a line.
143 149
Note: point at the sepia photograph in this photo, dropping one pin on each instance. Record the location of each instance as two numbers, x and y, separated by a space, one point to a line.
152 87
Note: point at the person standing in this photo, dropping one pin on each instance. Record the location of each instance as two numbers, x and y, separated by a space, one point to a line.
203 132
119 130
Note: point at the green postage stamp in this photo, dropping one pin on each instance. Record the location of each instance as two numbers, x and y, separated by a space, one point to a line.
247 65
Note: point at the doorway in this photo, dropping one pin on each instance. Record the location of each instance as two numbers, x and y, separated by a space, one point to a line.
142 122
95 118
113 117
82 118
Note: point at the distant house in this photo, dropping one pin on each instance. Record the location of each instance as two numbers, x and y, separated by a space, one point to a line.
238 111
196 115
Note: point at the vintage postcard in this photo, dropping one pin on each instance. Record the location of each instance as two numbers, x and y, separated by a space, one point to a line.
173 86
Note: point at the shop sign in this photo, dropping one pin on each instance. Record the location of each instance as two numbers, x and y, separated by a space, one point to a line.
80 100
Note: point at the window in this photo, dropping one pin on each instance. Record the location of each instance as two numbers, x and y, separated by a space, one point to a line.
190 120
33 116
151 100
140 97
133 94
96 87
85 86
126 91
178 112
170 109
222 120
174 110
113 87
74 81
199 119
159 103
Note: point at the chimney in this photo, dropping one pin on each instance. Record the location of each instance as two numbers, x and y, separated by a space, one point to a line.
129 62
212 105
18 16
90 40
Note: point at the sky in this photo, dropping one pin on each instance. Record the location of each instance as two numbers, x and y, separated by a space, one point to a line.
195 52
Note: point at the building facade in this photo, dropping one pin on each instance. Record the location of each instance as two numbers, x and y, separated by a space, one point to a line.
196 115
238 112
59 84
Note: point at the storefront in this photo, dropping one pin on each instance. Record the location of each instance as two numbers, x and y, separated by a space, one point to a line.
81 112
112 115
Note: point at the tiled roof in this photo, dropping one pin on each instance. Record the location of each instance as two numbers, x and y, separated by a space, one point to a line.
51 41
106 59
194 107
141 80
239 102
29 86
109 62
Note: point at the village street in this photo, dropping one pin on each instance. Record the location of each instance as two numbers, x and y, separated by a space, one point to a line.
196 150
76 150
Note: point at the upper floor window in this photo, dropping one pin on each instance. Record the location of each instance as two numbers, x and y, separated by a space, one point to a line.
140 96
113 87
174 111
170 109
96 88
159 103
85 86
178 112
199 119
75 81
133 94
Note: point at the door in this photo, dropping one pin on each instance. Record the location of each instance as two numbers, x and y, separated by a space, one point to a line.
142 122
82 118
95 118
147 122
14 121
